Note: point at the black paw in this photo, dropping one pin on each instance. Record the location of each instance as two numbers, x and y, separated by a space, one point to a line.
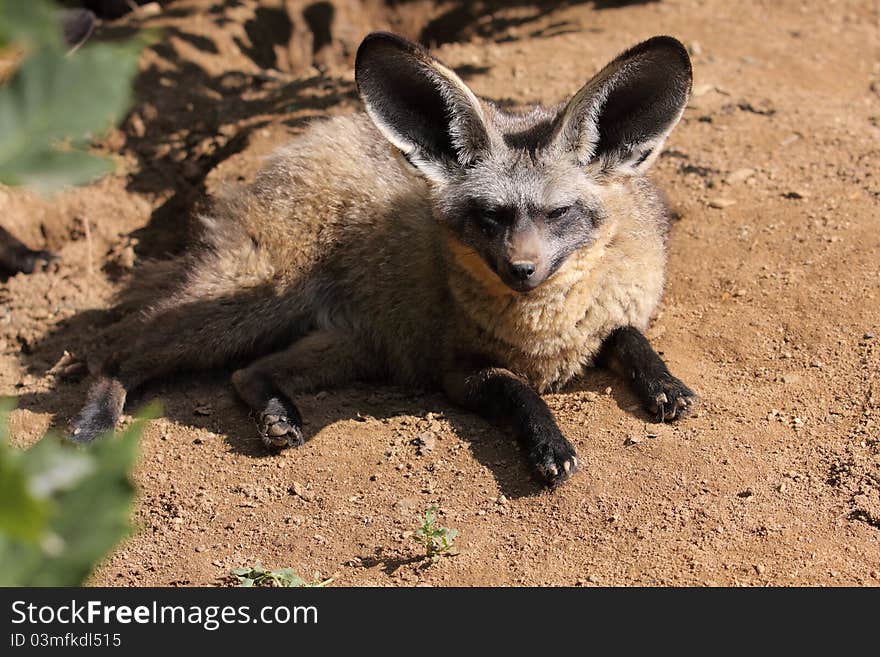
555 459
280 425
669 399
26 261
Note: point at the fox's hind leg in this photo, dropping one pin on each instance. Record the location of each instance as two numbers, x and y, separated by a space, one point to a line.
320 359
188 336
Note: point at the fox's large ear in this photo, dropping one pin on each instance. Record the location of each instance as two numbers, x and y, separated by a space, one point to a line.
620 119
421 107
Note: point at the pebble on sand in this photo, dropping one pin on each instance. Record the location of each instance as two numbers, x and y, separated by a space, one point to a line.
721 203
300 491
795 194
426 442
739 176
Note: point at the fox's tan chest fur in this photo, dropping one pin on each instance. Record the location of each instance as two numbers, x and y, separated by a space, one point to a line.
549 335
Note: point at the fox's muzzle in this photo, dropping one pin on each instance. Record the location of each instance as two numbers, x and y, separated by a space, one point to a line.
523 275
523 268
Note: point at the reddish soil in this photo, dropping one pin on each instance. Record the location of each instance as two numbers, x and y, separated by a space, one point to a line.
772 312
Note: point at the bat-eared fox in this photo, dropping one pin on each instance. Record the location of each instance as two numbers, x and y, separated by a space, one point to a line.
434 241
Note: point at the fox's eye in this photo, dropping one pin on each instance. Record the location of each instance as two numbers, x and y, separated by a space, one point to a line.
558 212
489 218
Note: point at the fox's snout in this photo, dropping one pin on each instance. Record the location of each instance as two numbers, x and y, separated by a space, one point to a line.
522 263
523 269
522 275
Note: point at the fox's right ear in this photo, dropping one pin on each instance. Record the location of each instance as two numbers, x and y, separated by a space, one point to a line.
421 107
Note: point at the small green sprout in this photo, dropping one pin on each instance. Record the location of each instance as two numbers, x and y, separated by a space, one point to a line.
257 575
436 540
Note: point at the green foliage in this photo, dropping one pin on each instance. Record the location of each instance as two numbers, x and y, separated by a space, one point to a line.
62 508
32 22
56 103
436 540
257 575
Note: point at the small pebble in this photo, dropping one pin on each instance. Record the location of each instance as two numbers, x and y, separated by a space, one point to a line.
300 491
739 176
796 194
406 505
426 442
150 9
721 203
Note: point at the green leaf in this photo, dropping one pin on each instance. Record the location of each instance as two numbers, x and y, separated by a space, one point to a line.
22 515
86 497
50 470
53 98
49 171
295 581
32 21
260 576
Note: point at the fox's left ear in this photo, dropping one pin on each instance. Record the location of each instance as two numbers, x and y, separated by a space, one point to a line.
619 120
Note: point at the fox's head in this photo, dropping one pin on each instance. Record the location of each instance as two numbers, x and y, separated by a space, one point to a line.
523 191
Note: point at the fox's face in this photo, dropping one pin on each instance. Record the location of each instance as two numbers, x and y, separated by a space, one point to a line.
522 215
522 192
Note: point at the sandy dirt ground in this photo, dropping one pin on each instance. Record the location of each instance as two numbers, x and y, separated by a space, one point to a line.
771 313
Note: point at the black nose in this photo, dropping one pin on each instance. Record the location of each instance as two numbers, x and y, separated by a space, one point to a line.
523 270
